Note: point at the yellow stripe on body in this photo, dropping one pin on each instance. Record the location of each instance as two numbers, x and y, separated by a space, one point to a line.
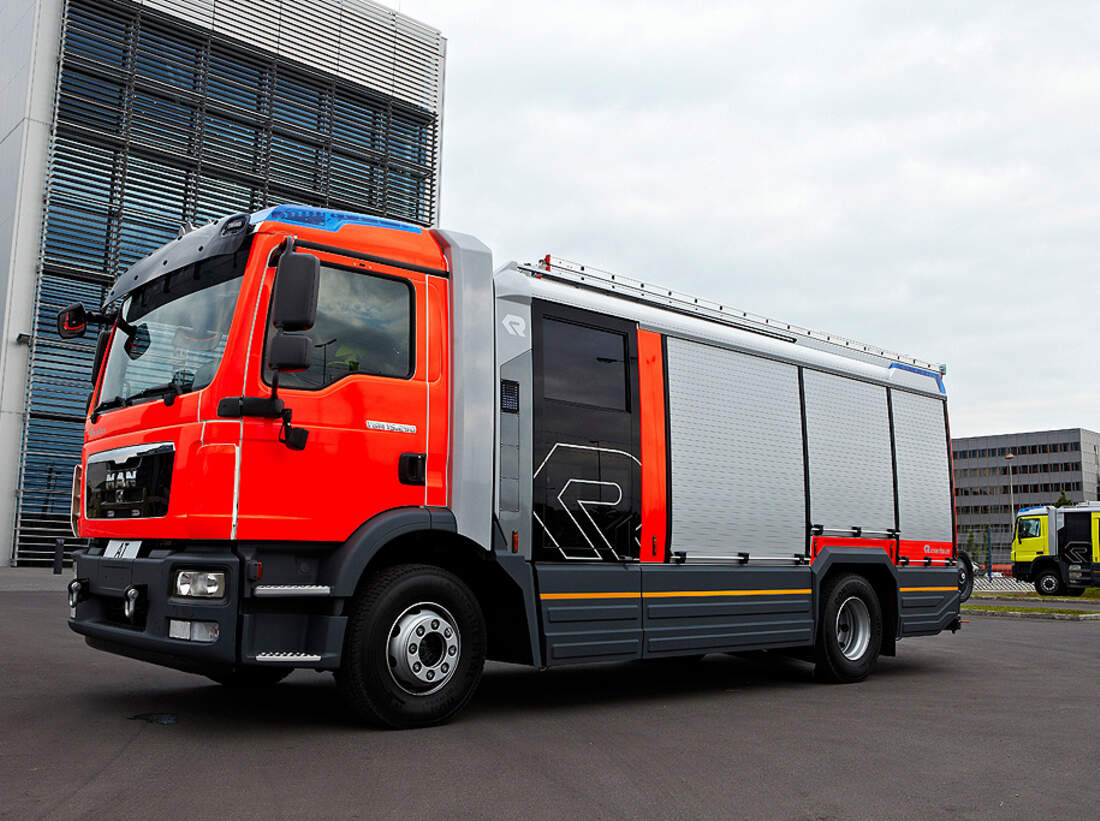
669 594
920 589
589 595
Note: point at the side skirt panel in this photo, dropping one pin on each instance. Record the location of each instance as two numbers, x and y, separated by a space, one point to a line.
590 612
716 608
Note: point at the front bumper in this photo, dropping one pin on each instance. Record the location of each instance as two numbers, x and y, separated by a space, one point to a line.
250 631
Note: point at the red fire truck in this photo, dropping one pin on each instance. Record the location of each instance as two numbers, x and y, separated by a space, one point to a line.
332 441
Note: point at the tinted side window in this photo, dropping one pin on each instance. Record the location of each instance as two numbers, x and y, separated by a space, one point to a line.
585 365
364 325
1029 528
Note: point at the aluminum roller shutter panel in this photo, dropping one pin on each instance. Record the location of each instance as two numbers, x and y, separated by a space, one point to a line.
851 471
737 473
924 483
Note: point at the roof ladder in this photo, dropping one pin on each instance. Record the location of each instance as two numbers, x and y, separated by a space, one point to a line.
585 276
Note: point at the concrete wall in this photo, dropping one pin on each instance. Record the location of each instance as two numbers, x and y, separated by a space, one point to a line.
29 43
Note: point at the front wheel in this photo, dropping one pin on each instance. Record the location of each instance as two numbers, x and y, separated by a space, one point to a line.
849 634
1048 583
414 648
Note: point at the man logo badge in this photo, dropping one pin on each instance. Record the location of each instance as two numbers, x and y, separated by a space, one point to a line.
514 325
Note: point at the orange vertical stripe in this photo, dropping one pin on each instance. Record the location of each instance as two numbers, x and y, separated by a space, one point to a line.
651 390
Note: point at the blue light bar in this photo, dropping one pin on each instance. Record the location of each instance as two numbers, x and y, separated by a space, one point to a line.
327 220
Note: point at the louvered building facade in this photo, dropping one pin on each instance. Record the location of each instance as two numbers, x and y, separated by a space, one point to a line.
126 120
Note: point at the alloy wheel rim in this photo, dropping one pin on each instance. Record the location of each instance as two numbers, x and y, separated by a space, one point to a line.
423 649
853 628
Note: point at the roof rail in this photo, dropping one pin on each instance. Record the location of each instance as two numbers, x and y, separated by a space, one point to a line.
588 277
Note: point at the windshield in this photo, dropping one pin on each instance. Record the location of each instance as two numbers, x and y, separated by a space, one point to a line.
171 333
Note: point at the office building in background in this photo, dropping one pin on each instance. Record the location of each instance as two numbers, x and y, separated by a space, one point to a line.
122 121
1044 465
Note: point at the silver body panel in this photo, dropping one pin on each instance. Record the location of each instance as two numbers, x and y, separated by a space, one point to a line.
848 439
472 426
924 486
738 481
511 282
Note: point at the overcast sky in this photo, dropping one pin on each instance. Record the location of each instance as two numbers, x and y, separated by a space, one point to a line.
921 176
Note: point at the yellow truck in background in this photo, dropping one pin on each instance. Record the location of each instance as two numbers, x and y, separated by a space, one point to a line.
1058 548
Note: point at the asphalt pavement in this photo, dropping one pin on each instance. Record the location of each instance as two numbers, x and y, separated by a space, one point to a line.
998 721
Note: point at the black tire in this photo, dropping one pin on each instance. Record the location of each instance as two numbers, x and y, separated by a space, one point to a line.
381 688
1049 583
848 600
966 577
1076 591
243 677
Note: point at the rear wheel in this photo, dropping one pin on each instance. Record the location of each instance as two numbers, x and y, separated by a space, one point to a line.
1048 583
849 634
251 676
966 577
414 649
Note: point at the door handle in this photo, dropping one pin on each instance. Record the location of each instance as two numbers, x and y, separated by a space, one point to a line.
412 468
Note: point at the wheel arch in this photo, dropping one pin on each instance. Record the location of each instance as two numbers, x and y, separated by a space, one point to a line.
879 571
502 584
1045 563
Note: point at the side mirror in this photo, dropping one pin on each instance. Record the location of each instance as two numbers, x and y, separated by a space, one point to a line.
72 322
294 305
289 352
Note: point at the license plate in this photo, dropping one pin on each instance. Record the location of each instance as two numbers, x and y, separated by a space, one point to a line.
121 549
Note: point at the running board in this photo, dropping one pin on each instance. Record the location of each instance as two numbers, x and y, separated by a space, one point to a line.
272 590
278 657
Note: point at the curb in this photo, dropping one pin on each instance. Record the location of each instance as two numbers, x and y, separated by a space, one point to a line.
1023 614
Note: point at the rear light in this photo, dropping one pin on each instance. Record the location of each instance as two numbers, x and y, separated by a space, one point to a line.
74 502
201 584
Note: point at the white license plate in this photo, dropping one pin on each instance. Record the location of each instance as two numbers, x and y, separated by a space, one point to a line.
121 549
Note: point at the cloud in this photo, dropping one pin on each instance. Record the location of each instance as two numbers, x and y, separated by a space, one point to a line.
923 177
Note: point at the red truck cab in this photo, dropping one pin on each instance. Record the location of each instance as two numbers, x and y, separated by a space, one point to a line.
222 509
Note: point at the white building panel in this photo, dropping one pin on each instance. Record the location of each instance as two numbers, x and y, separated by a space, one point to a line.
851 469
924 483
358 40
737 471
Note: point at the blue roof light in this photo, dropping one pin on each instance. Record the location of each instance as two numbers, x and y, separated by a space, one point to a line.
327 220
922 372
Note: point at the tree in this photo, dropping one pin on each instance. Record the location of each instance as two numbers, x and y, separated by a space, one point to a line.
1063 500
970 543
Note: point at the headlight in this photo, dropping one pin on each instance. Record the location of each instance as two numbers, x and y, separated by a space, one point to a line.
202 584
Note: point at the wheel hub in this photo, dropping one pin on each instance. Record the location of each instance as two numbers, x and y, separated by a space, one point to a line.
853 628
424 648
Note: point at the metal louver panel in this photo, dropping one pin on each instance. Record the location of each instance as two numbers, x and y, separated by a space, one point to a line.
848 441
187 111
738 479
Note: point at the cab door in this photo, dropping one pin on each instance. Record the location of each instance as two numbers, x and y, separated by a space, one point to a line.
374 383
1032 539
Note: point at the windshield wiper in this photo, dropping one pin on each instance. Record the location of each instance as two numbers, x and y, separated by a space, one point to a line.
107 404
169 390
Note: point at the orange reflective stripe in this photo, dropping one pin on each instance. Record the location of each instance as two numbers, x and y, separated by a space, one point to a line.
917 589
670 594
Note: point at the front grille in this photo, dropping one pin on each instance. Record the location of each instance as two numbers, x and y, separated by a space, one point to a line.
130 483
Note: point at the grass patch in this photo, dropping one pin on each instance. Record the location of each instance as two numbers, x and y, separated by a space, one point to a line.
1092 593
1064 611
